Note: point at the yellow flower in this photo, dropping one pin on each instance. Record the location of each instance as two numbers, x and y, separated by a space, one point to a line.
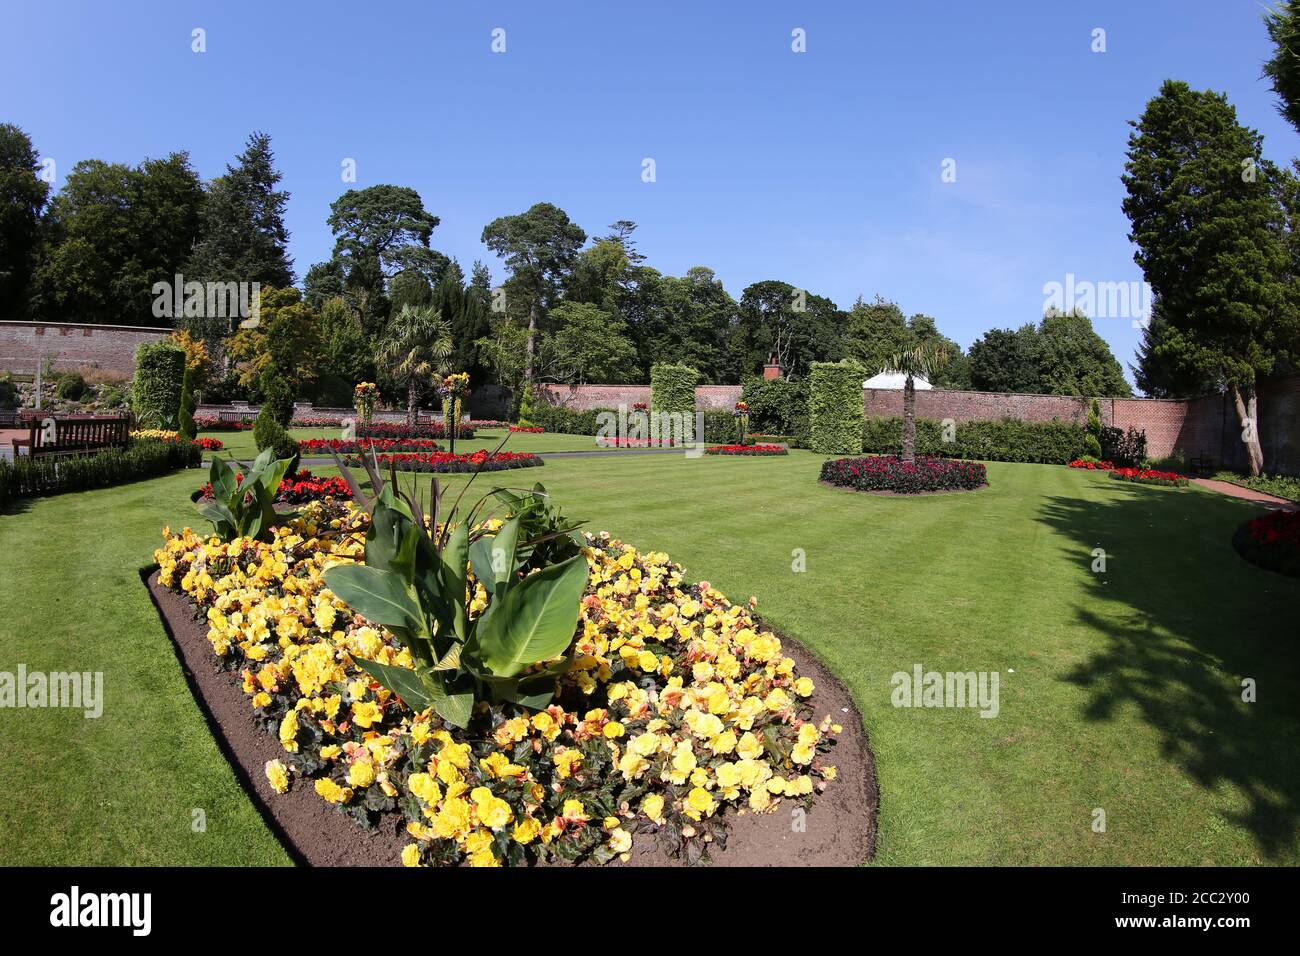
366 714
278 774
567 760
803 753
613 730
411 854
574 812
750 747
424 787
361 773
289 732
492 811
620 841
527 830
653 807
804 687
332 792
699 803
452 819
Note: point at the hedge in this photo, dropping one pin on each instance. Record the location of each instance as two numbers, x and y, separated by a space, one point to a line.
719 426
1053 443
835 409
159 381
776 406
27 477
672 388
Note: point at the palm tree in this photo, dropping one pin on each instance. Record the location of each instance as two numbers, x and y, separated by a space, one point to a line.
417 340
923 360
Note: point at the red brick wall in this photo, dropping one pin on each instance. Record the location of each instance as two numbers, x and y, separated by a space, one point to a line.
974 406
583 397
24 344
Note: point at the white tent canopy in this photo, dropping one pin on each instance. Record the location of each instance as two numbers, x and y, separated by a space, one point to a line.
895 380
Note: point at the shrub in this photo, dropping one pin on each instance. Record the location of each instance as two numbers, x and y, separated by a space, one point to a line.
112 397
71 387
278 400
672 388
907 478
1280 486
1127 449
185 421
1091 445
26 476
778 406
526 417
1271 541
1008 439
835 409
8 394
268 433
159 381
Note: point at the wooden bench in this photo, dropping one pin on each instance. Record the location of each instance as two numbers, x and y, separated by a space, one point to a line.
74 436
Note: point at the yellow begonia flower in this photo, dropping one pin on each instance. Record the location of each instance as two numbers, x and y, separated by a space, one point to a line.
278 774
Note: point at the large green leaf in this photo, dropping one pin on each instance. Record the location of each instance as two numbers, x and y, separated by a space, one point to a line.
402 681
222 478
533 621
379 595
455 558
493 557
456 709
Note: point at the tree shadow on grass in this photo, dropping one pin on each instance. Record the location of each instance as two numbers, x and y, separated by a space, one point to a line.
1185 620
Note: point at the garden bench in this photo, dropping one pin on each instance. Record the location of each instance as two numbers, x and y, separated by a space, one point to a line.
74 436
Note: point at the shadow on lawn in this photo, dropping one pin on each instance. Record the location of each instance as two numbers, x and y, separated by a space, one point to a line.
1196 620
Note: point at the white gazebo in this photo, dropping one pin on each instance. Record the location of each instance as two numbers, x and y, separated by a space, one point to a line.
896 380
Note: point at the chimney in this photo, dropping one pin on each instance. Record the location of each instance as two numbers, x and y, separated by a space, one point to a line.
771 371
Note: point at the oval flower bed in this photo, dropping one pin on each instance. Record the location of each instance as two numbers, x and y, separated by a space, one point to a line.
1149 476
678 707
641 443
401 430
1271 541
298 488
443 462
890 474
320 446
1093 464
527 431
746 450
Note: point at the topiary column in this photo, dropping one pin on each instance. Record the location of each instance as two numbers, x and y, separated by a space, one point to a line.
672 390
157 385
836 414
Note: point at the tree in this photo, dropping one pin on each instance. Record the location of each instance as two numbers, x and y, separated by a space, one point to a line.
480 284
111 233
922 360
468 321
505 352
1283 69
285 346
1074 360
875 332
794 326
1205 218
347 353
388 224
1006 360
242 235
924 330
417 341
539 247
22 197
589 345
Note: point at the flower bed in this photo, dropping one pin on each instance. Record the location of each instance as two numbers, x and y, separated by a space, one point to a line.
1149 476
207 424
323 446
527 431
886 473
640 443
1092 464
209 444
491 423
298 488
401 430
758 450
444 462
1271 541
678 709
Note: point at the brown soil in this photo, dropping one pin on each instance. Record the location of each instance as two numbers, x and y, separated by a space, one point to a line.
899 494
839 830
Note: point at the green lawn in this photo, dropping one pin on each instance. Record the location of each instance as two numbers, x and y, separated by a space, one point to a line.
241 445
1118 691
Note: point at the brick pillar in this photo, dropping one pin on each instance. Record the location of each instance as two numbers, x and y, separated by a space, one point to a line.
772 371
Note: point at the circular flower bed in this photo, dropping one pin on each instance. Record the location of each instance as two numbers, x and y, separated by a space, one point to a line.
1149 476
298 488
321 446
1271 541
889 474
678 708
442 461
758 450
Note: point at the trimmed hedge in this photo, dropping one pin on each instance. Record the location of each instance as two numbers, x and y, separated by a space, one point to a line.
776 407
1052 443
28 477
158 384
672 388
904 477
835 409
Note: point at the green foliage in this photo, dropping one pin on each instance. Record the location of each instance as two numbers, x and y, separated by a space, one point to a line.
185 421
1094 419
71 387
1127 449
1092 445
835 407
1283 68
1007 439
527 412
387 224
672 388
22 197
26 476
777 406
8 393
270 436
414 582
245 508
587 345
1062 355
158 383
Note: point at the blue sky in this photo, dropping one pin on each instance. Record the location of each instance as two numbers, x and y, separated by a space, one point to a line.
822 168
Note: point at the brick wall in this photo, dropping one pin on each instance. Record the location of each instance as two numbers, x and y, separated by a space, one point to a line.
23 345
583 397
974 406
